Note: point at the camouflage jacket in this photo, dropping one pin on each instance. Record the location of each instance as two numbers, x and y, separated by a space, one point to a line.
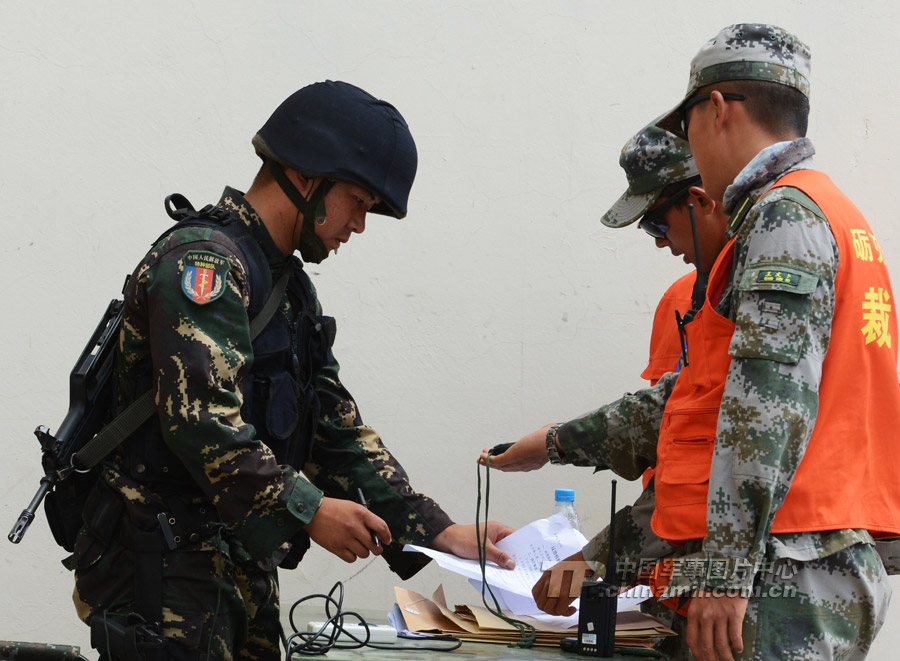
197 356
757 450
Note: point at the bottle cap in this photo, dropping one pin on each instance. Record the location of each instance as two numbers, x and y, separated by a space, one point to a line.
565 495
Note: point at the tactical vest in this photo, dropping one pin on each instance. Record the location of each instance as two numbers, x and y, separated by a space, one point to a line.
849 476
279 392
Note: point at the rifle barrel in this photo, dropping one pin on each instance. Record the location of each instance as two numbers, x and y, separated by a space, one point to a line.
27 515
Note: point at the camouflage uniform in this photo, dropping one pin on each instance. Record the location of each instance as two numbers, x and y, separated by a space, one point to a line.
840 600
812 594
652 160
219 587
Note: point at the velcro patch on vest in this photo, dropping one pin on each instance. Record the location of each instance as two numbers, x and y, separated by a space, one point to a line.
204 276
779 278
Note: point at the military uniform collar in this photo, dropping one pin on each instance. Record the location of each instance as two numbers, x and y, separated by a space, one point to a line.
767 166
233 200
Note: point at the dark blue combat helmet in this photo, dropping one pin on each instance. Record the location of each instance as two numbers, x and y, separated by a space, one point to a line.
339 131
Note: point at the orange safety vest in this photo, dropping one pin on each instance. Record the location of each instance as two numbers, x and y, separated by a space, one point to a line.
849 476
665 342
665 345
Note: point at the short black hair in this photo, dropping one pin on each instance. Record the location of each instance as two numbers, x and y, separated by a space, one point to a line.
780 109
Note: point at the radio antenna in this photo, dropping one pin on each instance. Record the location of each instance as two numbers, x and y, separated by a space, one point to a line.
611 558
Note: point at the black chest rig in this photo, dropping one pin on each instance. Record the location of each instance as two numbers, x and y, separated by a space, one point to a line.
279 393
280 397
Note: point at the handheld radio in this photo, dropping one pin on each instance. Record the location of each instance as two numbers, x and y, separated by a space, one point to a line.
599 601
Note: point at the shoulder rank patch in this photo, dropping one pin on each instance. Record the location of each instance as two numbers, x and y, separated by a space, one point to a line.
782 277
778 277
204 276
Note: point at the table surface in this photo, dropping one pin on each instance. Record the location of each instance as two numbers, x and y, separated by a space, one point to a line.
470 651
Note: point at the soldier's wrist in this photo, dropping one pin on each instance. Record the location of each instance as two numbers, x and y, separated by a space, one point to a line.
554 452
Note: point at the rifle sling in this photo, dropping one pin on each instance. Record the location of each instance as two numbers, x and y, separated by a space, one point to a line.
136 413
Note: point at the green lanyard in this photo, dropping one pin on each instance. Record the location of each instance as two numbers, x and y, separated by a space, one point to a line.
526 630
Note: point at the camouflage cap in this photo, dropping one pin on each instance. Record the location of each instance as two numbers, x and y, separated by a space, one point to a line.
746 51
652 159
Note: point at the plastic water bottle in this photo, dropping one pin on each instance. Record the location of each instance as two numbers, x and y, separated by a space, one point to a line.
565 505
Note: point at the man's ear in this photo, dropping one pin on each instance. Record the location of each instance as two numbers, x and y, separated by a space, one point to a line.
722 108
725 110
306 185
702 199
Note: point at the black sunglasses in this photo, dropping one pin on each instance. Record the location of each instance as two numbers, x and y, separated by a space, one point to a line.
700 98
654 221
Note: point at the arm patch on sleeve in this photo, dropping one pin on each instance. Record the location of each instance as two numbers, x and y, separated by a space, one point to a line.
203 280
778 278
772 312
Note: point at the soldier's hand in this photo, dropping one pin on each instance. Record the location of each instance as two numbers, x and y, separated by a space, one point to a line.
714 625
346 529
527 454
553 593
461 541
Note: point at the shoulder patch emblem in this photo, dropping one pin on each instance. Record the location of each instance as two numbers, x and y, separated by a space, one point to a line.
204 276
782 277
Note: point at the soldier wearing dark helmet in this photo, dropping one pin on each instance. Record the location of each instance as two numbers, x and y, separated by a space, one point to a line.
256 447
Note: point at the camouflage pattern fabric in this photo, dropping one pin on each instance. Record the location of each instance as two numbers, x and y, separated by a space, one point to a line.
827 608
652 159
746 51
193 345
215 597
620 436
12 650
636 543
780 374
751 51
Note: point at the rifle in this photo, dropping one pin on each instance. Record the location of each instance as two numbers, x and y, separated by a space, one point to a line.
90 407
89 431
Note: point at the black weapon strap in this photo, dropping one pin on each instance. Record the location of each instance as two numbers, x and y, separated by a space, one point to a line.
136 413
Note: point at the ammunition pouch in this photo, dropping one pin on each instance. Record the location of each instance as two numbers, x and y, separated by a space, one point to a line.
136 641
63 506
102 514
280 397
183 524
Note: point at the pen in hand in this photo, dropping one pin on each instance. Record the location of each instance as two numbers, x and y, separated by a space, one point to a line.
362 501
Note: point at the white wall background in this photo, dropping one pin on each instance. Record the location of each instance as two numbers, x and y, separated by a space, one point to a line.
500 304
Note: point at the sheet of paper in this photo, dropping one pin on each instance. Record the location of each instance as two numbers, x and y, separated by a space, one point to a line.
535 547
525 606
552 539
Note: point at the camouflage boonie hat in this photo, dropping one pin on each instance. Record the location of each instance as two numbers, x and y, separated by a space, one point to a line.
746 51
652 159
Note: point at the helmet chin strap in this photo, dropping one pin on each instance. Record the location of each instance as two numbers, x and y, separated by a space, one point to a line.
313 210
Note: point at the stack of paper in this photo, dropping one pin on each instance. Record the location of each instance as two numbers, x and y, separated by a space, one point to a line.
535 547
470 622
